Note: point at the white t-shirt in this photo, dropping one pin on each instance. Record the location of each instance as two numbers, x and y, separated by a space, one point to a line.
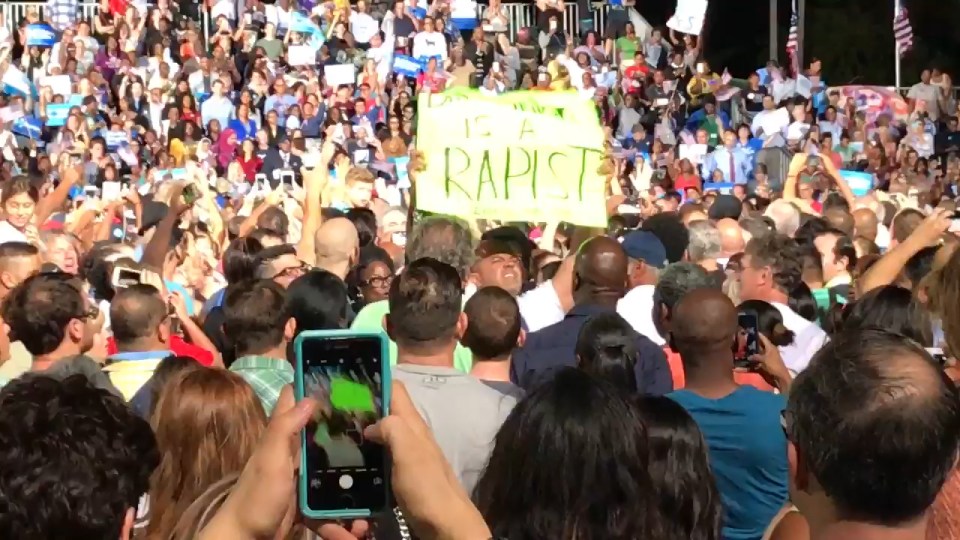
636 307
363 27
929 93
808 339
541 307
429 44
9 233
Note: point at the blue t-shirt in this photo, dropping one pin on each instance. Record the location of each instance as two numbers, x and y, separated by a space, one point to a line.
748 455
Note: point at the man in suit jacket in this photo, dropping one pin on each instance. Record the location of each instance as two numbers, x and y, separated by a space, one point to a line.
280 160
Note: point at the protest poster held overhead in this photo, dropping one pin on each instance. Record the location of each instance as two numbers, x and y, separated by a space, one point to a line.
689 16
511 158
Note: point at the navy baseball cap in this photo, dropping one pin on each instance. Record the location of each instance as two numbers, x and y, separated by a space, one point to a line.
645 246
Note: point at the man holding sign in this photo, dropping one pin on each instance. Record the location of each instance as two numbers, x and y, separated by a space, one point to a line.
511 158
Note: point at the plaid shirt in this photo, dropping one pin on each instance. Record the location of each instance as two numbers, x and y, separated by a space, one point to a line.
62 13
266 375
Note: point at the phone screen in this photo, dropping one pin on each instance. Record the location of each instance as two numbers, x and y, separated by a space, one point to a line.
344 471
748 341
125 277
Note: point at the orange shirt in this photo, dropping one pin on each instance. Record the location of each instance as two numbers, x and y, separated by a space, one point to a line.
741 377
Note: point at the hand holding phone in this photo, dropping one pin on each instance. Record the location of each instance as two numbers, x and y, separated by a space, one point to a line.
747 344
342 474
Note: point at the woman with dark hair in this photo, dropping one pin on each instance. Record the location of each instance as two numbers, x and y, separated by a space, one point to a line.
891 308
574 423
370 280
680 469
18 201
606 348
318 301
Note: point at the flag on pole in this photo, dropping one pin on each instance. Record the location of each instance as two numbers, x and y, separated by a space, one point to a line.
902 31
793 38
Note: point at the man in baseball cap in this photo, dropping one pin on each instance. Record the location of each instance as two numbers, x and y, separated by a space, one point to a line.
498 263
647 258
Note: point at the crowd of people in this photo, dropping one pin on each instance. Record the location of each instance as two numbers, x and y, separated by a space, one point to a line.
179 205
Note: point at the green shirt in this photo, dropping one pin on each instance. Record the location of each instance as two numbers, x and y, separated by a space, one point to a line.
627 47
370 319
266 375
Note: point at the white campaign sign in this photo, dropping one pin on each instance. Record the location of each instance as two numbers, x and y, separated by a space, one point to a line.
688 18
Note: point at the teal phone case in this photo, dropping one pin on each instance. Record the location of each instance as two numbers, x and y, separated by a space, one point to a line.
310 335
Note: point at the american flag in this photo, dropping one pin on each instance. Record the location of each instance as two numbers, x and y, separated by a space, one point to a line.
793 37
902 31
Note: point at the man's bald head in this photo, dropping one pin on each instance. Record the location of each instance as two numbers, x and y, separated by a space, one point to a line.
865 223
840 219
337 244
704 320
731 237
600 269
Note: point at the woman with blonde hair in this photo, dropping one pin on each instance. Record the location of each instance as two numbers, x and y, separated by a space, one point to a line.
207 423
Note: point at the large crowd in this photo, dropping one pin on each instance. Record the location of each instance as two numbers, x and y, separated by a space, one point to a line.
181 200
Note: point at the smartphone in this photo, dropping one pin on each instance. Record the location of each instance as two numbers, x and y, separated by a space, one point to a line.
287 177
124 277
190 194
553 24
91 191
700 67
938 355
343 475
748 339
495 68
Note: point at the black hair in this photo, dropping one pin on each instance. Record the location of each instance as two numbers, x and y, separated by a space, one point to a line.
493 324
573 422
39 310
255 316
770 321
680 470
842 248
900 421
365 222
318 301
262 234
269 254
73 459
891 308
607 348
549 270
810 229
240 259
136 312
671 232
425 304
274 220
920 265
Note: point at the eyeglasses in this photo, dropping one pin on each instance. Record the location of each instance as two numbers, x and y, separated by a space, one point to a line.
298 270
378 282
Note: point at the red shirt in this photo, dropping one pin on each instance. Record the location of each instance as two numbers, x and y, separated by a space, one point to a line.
178 347
250 168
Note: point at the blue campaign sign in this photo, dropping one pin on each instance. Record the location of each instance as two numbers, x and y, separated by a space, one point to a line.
57 114
407 65
114 139
861 183
403 179
27 126
40 35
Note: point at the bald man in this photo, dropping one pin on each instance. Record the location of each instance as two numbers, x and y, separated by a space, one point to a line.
599 281
865 223
731 238
704 329
337 246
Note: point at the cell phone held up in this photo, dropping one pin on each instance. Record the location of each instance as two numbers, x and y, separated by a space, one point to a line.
342 474
747 343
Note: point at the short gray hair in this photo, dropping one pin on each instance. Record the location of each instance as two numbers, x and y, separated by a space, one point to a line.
785 216
704 241
678 279
446 239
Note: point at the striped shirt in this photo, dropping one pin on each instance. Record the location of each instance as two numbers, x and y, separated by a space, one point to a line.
266 375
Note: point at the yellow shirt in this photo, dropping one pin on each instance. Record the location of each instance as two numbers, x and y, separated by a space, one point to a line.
130 371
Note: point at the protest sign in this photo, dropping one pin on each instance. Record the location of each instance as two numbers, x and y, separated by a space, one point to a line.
301 55
525 156
57 114
11 113
60 84
114 139
724 188
406 65
861 183
40 35
338 74
693 152
403 178
688 17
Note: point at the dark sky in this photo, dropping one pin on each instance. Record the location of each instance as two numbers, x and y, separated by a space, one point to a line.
736 36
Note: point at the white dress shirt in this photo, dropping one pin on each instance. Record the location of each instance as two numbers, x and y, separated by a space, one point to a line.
541 307
808 339
637 308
